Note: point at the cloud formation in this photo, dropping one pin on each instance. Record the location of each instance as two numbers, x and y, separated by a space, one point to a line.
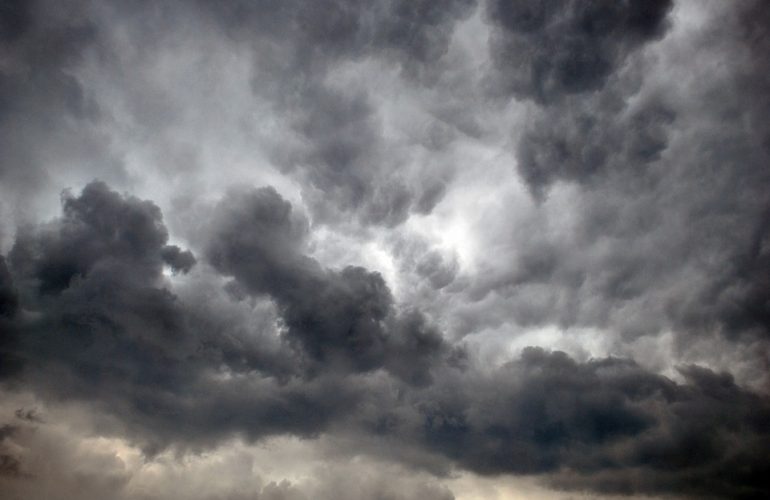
344 319
545 50
112 334
401 249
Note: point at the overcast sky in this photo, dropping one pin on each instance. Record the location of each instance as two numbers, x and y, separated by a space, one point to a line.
384 249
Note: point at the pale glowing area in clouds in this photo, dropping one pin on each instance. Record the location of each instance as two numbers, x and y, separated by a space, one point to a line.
64 457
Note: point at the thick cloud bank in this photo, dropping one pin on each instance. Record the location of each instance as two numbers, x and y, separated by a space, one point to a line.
387 249
91 319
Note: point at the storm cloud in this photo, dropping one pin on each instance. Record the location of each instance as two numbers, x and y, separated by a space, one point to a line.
544 50
344 318
384 249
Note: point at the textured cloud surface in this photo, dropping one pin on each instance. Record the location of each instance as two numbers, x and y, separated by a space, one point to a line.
384 249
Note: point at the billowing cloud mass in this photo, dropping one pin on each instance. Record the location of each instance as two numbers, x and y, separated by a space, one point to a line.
544 50
387 249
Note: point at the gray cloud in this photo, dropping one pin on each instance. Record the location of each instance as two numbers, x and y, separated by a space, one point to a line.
9 306
338 318
101 325
113 336
100 231
668 218
8 300
56 461
413 33
337 150
384 299
48 118
544 50
605 425
593 140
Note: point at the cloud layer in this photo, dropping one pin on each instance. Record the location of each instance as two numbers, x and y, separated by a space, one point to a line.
433 247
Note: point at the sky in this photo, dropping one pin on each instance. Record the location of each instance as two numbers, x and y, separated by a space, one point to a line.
384 249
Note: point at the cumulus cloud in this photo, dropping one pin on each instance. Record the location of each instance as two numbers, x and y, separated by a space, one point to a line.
101 324
343 318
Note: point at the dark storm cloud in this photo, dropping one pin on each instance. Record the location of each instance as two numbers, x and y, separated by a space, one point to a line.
669 232
40 49
100 326
339 152
8 299
545 50
92 282
593 139
669 222
47 117
341 157
9 305
565 53
179 260
738 298
346 165
345 319
53 119
650 215
100 231
604 425
321 33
